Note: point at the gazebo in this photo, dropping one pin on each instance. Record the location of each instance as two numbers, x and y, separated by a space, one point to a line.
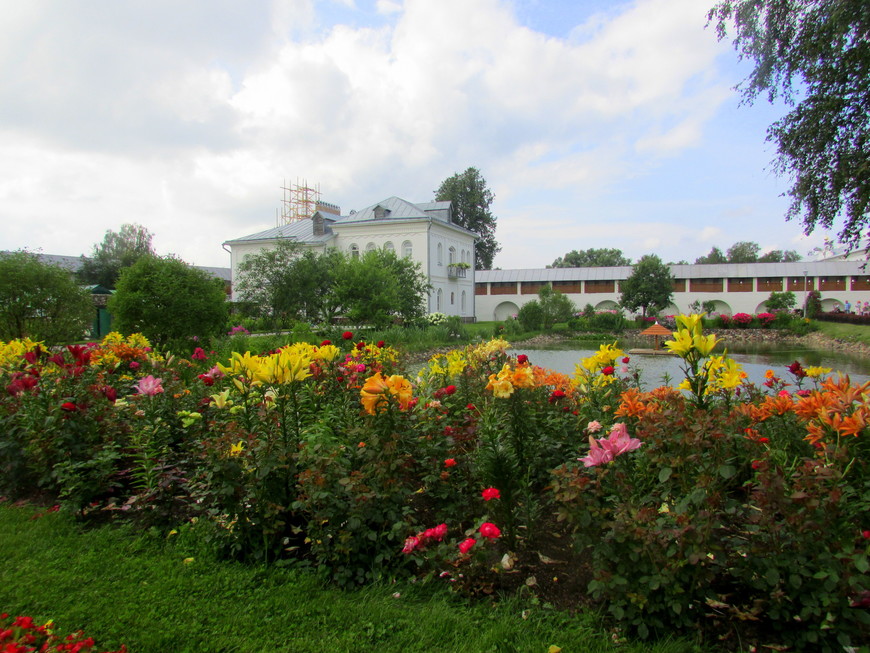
656 331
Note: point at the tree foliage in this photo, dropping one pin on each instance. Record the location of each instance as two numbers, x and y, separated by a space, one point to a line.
41 301
471 200
290 283
781 301
748 252
168 301
379 287
650 287
817 50
591 258
550 307
118 250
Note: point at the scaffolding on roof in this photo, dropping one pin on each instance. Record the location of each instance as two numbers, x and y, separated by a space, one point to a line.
299 202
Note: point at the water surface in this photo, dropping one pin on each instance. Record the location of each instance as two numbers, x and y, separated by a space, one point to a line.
755 359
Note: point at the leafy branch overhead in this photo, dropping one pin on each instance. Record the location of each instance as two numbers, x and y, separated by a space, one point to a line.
815 56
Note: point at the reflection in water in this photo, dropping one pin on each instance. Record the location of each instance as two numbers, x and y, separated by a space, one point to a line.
666 370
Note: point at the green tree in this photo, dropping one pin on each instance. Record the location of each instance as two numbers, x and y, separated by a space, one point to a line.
289 282
168 301
650 286
555 307
471 200
748 252
743 252
591 258
118 250
715 256
41 301
781 301
779 256
818 51
379 287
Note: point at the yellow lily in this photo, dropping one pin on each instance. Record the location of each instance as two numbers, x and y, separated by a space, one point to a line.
221 400
705 344
682 343
692 322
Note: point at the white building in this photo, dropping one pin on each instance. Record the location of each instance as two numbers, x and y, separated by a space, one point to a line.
733 287
422 232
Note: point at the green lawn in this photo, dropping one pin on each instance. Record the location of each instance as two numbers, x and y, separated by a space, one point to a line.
124 587
848 332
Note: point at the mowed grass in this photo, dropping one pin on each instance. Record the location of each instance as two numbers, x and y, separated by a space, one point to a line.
126 587
847 332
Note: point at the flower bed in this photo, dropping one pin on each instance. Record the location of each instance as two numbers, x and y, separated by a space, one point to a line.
714 505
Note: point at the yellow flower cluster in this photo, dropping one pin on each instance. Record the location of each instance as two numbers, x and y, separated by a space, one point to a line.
372 355
503 384
114 349
377 388
722 374
288 365
485 351
689 341
12 351
589 371
446 367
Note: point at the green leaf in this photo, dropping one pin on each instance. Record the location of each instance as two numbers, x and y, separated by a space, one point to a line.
727 471
665 474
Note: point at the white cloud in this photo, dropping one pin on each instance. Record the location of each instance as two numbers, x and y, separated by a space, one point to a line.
187 118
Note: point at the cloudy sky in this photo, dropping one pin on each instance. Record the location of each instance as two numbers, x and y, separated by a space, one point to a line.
596 123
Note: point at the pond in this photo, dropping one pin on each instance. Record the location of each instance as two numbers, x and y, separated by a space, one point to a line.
756 360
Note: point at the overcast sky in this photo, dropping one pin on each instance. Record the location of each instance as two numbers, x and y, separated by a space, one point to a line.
595 123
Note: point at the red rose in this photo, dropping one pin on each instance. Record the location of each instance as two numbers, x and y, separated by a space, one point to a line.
325 343
490 493
625 360
522 359
490 531
607 371
69 407
450 389
450 462
347 335
381 343
465 545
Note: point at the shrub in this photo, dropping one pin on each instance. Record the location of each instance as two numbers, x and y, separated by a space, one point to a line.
741 320
765 319
168 301
531 316
41 301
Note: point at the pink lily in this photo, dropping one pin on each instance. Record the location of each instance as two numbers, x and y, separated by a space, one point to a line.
149 385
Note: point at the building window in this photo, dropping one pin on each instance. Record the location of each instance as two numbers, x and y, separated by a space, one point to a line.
440 256
407 249
389 247
439 300
354 250
462 299
451 256
371 247
452 296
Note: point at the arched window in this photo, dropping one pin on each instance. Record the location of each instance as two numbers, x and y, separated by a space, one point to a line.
452 298
389 247
439 299
440 257
354 250
463 302
451 256
371 247
407 249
